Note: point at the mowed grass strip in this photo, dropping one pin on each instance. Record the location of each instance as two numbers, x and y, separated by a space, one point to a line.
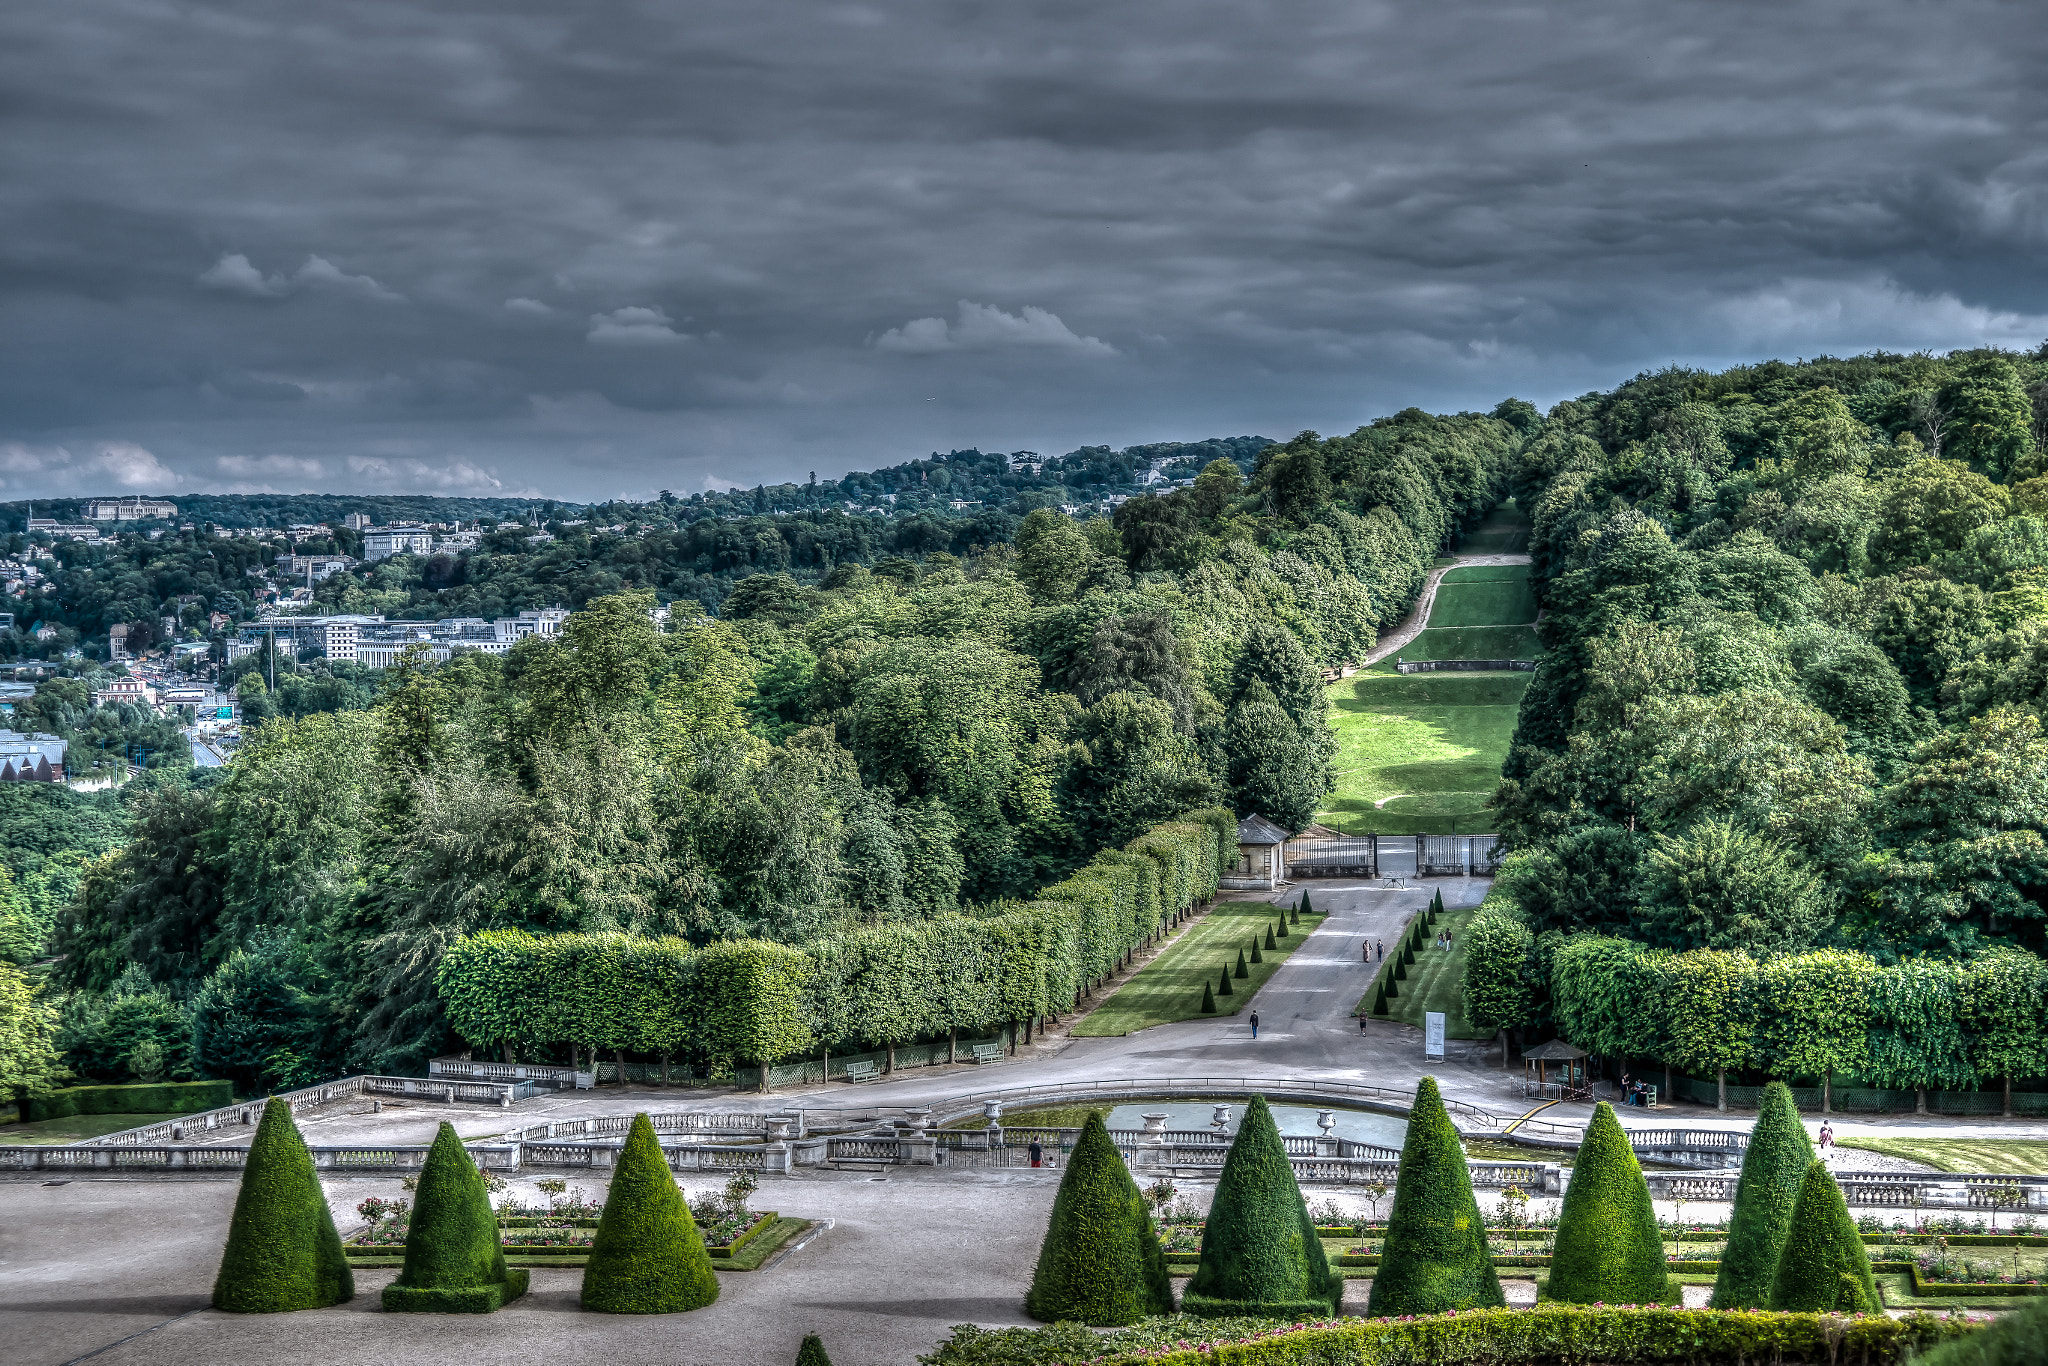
76 1128
1427 745
2000 1156
1484 602
1464 642
1504 532
1436 982
1169 987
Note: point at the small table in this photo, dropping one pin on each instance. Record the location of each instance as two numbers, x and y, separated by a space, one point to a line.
1398 884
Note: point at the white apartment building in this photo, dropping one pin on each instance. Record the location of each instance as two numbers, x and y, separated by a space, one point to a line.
321 567
383 542
129 509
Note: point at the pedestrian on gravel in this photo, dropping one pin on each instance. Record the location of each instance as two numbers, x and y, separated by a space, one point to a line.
1827 1136
1365 950
1255 1024
1037 1152
1380 949
1361 1022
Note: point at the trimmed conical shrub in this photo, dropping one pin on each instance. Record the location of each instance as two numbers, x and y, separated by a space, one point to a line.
1772 1172
812 1353
2016 1339
1242 970
1223 987
1823 1266
1435 1257
1302 908
1261 1257
1209 999
283 1251
1608 1248
648 1257
1101 1263
453 1263
1379 1000
1271 943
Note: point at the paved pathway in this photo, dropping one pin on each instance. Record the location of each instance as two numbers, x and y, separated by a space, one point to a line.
1412 625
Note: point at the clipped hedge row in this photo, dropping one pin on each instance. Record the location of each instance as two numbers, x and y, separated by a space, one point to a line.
755 1002
152 1098
1545 1334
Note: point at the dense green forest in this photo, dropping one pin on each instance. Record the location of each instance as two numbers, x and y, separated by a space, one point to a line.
1789 704
933 737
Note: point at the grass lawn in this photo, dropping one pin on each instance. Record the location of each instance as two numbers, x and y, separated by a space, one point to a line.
1170 986
1465 642
1436 982
2004 1156
75 1128
1426 747
1505 532
1491 601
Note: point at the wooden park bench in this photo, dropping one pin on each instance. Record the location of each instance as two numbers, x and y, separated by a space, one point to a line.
988 1052
862 1069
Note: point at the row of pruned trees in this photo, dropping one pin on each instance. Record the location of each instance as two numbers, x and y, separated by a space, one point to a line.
752 1001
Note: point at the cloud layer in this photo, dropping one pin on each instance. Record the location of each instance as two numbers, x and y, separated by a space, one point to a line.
651 244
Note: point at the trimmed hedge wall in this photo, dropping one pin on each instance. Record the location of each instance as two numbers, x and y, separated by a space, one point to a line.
1546 1334
156 1098
754 1002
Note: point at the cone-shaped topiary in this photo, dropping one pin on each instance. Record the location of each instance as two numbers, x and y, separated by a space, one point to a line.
2017 1339
1823 1266
1101 1263
1608 1248
1772 1171
283 1251
1261 1257
1271 943
1209 999
648 1257
812 1353
1301 907
1379 1000
1435 1257
1242 970
1223 987
1400 970
453 1264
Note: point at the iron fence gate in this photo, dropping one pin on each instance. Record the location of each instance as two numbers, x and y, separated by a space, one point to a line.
1392 856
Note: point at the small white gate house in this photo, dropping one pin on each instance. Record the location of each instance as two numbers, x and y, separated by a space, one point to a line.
1261 857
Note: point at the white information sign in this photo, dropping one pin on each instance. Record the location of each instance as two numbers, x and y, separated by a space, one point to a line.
1433 1034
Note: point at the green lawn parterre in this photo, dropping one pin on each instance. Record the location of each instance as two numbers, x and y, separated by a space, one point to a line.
1170 986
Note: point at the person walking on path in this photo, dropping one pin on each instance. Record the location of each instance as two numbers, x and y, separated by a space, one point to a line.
1365 950
1379 949
1255 1024
1037 1152
1827 1138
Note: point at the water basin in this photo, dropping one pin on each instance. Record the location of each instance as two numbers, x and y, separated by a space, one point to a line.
1364 1126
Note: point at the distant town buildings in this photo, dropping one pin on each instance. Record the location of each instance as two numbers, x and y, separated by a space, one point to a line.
31 758
129 509
63 531
320 567
356 521
381 543
376 643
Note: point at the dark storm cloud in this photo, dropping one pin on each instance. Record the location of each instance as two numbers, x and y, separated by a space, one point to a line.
613 247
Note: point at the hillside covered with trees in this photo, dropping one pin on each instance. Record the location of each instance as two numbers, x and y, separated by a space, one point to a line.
1783 756
886 746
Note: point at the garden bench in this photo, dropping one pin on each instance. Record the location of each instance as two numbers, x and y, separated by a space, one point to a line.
862 1069
988 1052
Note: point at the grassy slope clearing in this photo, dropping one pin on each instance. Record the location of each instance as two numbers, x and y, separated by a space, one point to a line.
1170 986
1421 753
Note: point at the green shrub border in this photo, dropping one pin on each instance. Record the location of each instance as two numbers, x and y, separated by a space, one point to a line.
747 1235
467 1299
1549 1332
155 1098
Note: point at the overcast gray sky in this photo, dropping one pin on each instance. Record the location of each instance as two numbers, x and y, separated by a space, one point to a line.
603 248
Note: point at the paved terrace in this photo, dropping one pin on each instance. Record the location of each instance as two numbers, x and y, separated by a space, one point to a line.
119 1268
